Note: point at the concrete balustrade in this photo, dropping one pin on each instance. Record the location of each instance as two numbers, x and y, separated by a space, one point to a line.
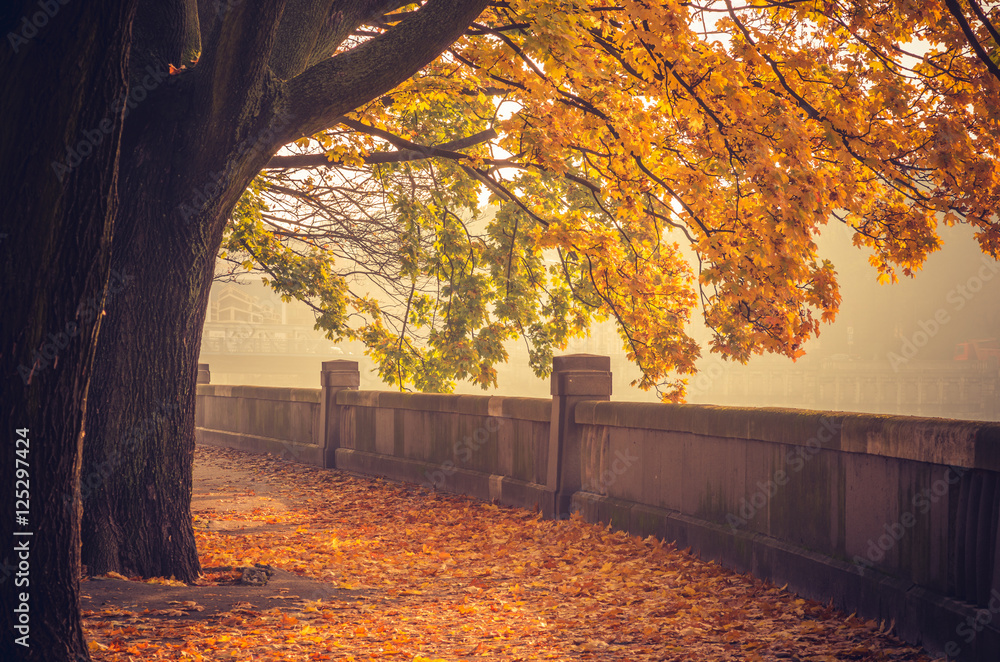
893 517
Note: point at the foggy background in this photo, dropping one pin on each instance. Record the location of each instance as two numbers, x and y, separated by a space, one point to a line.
892 349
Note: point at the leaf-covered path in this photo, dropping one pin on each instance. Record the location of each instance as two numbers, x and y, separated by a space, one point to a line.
409 574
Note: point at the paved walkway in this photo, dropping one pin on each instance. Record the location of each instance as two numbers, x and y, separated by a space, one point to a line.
373 570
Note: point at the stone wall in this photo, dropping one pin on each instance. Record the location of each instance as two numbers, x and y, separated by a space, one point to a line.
892 517
895 518
488 447
280 421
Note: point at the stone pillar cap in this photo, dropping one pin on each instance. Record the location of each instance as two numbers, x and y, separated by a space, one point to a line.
340 365
573 362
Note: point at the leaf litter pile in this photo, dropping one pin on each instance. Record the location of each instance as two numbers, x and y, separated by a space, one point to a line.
418 575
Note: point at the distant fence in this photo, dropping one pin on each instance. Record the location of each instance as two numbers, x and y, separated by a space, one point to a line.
893 517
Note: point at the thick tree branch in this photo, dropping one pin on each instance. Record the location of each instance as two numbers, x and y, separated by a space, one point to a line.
164 33
311 30
235 60
970 35
408 151
323 93
209 17
985 20
299 30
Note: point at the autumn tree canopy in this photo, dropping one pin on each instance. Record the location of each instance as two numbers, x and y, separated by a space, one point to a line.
609 139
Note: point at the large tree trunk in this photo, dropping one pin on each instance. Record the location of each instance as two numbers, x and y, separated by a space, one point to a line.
188 152
136 485
62 78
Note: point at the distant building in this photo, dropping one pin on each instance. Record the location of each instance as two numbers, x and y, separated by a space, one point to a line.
251 336
240 321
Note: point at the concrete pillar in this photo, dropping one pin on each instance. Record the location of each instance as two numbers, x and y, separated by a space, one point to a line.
336 376
204 375
575 378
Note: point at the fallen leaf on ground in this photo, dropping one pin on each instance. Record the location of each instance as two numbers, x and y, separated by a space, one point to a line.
512 587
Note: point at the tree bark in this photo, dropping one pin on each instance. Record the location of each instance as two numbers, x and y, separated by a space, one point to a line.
63 77
189 151
136 485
